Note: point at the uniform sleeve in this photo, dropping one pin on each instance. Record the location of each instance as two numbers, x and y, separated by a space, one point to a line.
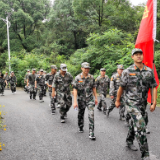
71 78
153 81
46 79
97 82
94 83
54 84
75 82
124 78
112 88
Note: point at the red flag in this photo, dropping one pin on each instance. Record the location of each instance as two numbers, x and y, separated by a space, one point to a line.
147 36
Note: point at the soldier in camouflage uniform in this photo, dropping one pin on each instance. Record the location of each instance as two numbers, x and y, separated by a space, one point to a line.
137 80
102 84
61 84
31 84
49 80
13 82
85 86
2 84
39 84
114 85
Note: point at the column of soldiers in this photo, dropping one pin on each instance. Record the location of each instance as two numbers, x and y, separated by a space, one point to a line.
128 89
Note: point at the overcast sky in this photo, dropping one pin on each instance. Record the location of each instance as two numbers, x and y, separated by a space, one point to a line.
136 2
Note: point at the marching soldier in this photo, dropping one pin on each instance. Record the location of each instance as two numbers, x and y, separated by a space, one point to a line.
49 80
2 84
61 84
6 77
13 82
102 84
84 86
114 85
31 84
39 85
137 80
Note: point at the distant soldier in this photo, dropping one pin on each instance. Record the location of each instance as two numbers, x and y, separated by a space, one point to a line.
49 80
114 85
39 85
6 77
102 85
137 80
85 86
31 84
26 89
61 84
45 86
3 82
13 82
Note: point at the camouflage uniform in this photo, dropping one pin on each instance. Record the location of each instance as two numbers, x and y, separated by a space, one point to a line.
102 84
63 94
13 81
2 84
137 84
49 79
114 86
40 85
84 88
32 89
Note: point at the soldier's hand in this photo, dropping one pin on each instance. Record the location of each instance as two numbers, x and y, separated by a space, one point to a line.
35 86
50 86
112 97
96 101
117 104
75 105
152 107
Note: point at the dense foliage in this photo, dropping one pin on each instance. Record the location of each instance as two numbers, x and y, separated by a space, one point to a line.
101 32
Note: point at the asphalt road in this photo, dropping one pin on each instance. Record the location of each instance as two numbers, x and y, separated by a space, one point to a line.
32 133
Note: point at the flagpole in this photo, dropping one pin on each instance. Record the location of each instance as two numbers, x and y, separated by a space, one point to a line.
153 71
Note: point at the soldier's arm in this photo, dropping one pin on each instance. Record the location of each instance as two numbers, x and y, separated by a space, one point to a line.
75 98
27 82
154 95
35 83
54 87
6 82
95 95
46 80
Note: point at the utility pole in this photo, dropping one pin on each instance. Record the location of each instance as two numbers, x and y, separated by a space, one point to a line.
8 26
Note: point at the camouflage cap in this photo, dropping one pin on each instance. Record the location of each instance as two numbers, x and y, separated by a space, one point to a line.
28 70
33 69
53 66
120 66
6 72
41 70
136 50
12 72
63 67
85 65
102 69
44 71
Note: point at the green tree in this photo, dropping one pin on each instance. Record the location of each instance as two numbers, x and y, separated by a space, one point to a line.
25 16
